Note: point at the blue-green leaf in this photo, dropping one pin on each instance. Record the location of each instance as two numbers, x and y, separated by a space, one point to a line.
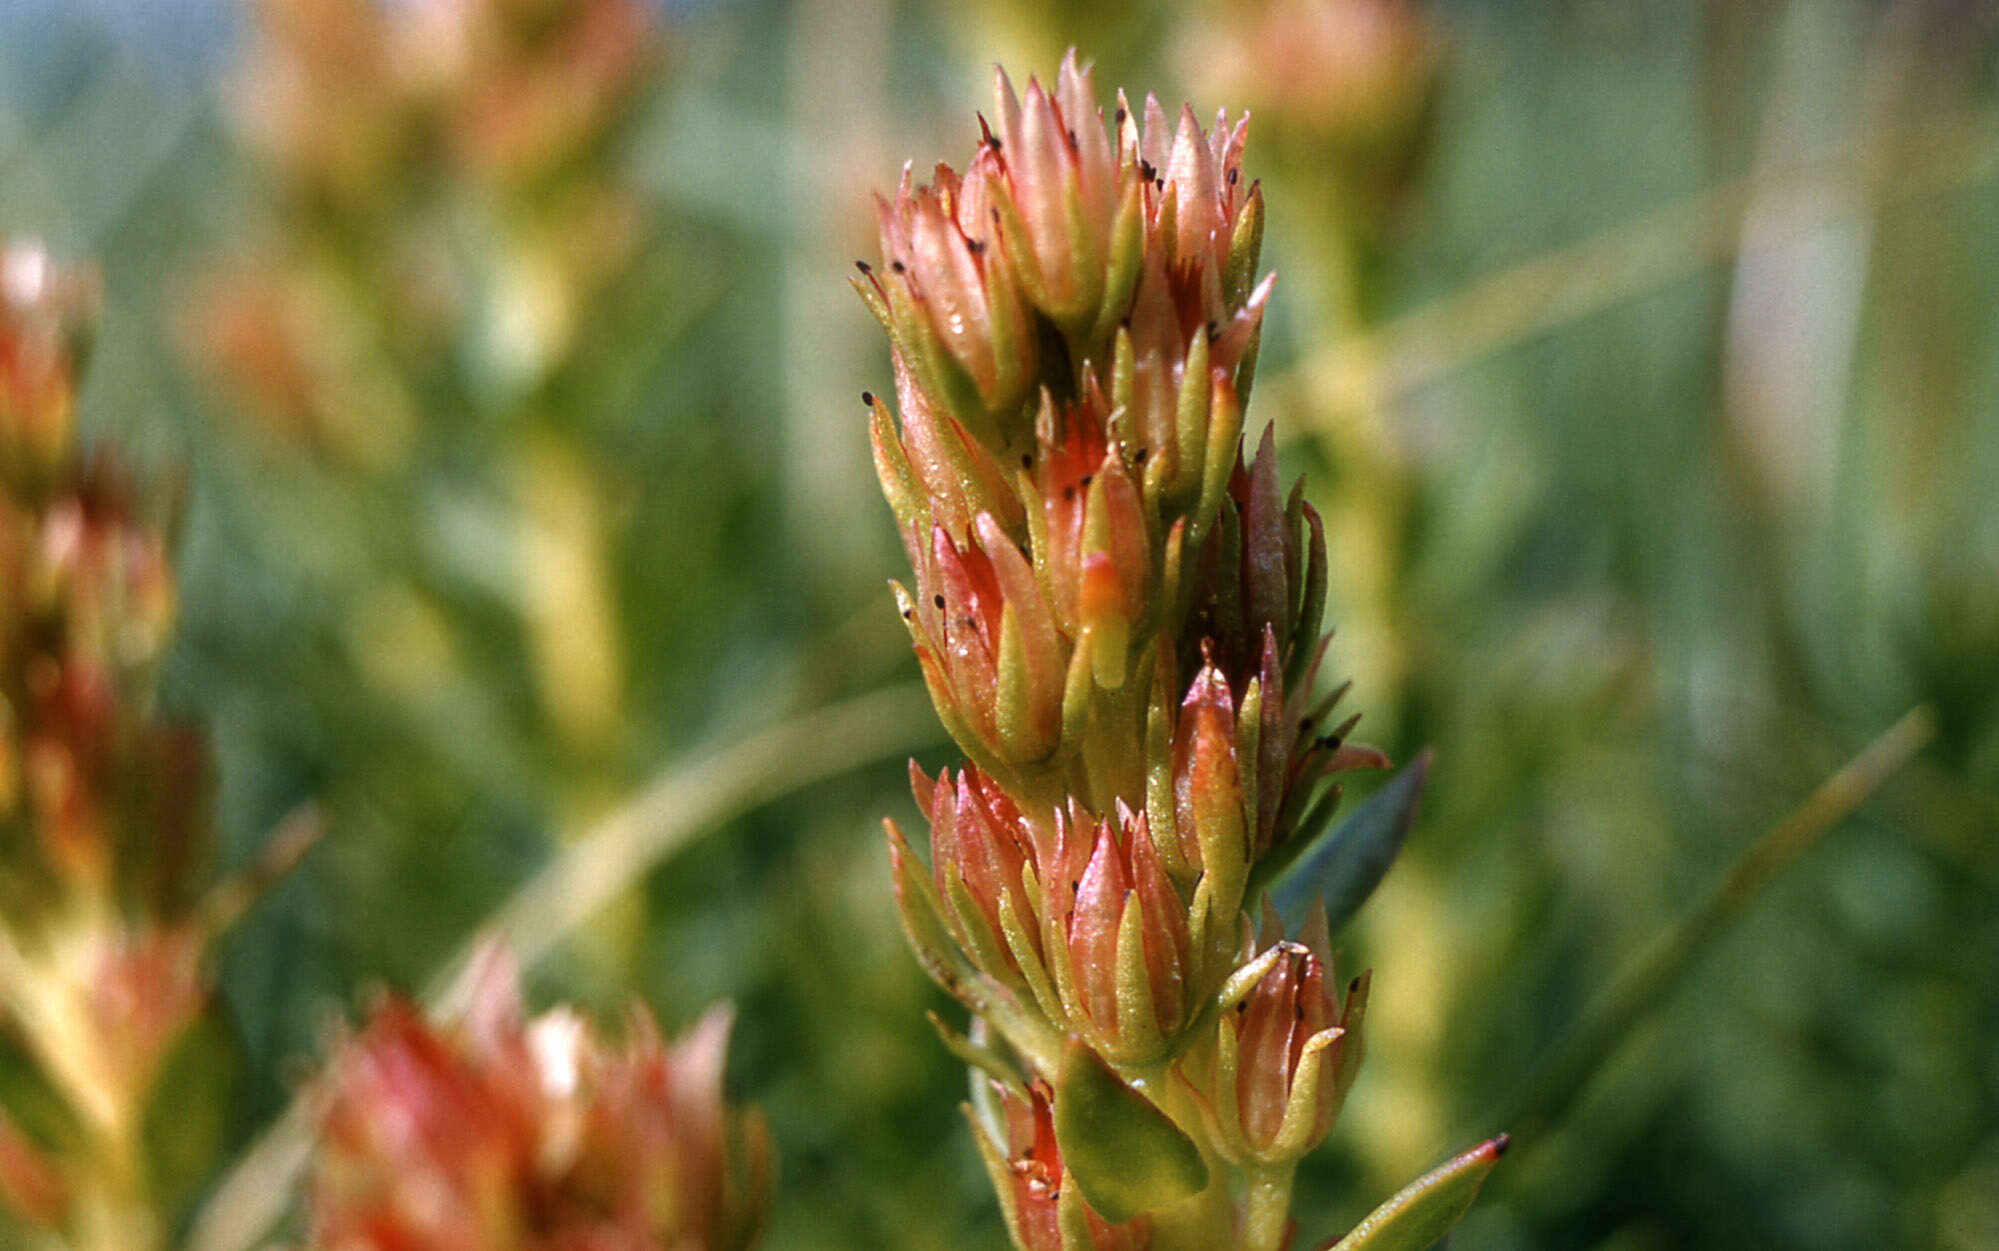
1346 863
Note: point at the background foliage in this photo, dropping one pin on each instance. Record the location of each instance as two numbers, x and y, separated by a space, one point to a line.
1654 420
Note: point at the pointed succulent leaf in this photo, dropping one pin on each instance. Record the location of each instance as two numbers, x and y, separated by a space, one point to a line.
1127 1157
922 914
1345 864
973 1054
1426 1209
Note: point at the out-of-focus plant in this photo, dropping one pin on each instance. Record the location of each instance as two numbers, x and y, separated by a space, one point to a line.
1118 615
400 332
498 1131
104 829
494 1131
1343 95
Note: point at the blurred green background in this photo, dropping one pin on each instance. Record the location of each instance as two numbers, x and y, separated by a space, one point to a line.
1643 357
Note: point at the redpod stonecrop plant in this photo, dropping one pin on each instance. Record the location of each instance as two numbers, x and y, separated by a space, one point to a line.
1119 618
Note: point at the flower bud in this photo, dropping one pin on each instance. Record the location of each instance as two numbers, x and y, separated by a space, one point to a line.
1092 543
987 644
1184 356
1124 961
503 1133
1285 1055
1043 1207
1261 570
979 848
948 299
1062 205
930 467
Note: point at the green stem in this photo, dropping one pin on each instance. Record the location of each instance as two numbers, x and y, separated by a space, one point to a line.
1267 1208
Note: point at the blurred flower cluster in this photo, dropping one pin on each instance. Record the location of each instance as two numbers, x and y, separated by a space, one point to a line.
103 823
495 1132
1341 88
444 198
441 170
500 1131
1118 614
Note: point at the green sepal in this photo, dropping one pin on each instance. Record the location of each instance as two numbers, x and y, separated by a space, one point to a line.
1245 372
974 1055
1426 1209
1173 588
1191 420
1020 941
1224 431
1127 1157
907 497
1294 560
1037 525
993 1156
1124 383
1248 731
1226 579
1245 246
975 936
1019 247
876 305
1301 1112
948 384
984 488
1312 601
1122 265
1166 229
1072 1216
1077 687
922 915
1162 822
1014 702
1353 1019
1012 341
1079 315
1137 1032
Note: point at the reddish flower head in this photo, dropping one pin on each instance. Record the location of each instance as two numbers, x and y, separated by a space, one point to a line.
1285 1055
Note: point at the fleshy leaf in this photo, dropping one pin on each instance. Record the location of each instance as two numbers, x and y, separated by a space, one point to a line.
1424 1211
1126 1156
1346 863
